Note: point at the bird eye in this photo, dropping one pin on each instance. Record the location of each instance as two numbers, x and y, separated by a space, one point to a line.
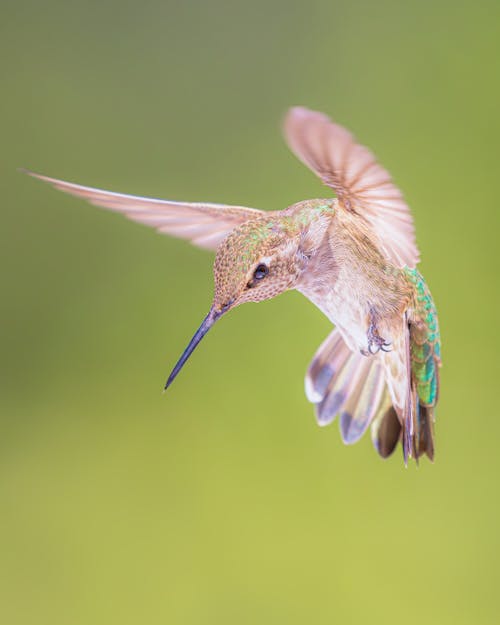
261 272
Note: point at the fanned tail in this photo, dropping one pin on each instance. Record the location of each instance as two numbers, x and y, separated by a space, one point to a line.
395 392
345 383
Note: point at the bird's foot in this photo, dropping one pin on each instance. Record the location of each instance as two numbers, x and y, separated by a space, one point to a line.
375 342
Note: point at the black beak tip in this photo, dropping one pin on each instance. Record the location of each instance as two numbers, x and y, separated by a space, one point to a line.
199 334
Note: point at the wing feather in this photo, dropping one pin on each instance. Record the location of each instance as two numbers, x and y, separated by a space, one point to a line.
362 185
204 224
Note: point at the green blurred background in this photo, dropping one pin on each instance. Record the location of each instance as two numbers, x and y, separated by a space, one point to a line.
222 501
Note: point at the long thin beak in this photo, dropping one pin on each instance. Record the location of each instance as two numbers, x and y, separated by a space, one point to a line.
206 324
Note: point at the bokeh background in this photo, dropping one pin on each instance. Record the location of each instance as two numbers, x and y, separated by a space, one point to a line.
222 501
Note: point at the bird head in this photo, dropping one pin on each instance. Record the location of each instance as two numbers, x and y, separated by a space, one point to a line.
257 261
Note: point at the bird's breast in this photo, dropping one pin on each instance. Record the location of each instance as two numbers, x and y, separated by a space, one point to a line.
349 289
344 309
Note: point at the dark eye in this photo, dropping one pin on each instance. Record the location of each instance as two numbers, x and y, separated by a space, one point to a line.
260 272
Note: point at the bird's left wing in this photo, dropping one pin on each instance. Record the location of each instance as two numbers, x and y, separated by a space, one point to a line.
362 185
205 225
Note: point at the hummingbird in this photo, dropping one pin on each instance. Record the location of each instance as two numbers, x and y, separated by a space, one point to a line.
353 255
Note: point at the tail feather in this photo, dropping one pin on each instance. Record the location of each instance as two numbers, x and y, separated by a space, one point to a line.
386 428
423 429
426 438
341 388
418 433
327 362
380 390
361 406
340 381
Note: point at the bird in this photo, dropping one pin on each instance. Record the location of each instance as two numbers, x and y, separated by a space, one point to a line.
352 254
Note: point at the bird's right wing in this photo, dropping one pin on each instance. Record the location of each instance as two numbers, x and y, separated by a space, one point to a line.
205 225
362 185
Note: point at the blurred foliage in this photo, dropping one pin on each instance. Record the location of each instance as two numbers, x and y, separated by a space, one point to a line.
222 501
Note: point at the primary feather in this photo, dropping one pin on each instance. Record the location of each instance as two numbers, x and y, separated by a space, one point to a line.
362 185
202 223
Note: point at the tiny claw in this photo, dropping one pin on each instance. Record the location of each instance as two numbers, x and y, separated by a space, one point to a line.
378 345
375 342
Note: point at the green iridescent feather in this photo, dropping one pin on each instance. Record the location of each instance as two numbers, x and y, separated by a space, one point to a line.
425 346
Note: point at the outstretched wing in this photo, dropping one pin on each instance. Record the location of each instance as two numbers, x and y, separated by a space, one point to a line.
206 225
361 184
